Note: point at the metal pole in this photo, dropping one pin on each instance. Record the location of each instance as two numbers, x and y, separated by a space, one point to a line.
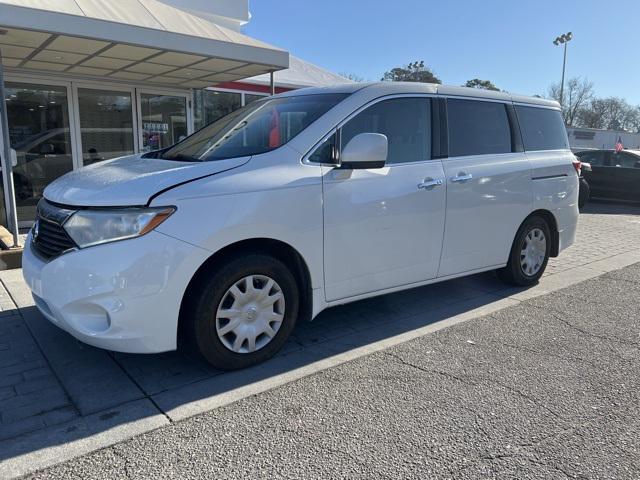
7 168
564 63
272 83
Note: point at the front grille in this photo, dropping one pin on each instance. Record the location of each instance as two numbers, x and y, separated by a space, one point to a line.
49 238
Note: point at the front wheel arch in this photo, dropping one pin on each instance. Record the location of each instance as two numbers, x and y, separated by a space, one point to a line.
276 248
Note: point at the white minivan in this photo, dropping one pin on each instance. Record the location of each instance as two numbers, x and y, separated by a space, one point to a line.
297 203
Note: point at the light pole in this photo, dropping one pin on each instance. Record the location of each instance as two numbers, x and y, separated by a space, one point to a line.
563 39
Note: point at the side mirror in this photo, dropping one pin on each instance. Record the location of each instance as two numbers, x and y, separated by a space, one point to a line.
365 150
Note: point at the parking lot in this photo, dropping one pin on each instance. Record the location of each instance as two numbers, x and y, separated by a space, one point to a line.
61 398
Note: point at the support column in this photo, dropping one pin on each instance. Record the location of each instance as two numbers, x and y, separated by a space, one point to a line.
272 83
7 167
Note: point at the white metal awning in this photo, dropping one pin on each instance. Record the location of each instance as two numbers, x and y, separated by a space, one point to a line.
301 74
129 40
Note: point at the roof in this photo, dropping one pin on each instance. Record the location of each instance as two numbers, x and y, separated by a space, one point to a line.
129 40
301 74
390 88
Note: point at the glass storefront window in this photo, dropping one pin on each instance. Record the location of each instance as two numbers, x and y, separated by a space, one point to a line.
210 105
164 120
249 97
106 124
39 132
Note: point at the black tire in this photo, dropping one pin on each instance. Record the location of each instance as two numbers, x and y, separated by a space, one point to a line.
203 301
513 273
584 193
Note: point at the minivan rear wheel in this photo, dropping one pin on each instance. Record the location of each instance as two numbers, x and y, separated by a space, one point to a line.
243 313
529 254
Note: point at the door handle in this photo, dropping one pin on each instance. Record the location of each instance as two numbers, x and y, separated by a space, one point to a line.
462 177
430 183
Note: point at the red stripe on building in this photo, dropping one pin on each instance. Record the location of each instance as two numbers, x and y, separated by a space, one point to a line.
250 87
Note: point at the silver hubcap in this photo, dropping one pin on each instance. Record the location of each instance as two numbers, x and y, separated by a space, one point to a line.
250 314
534 250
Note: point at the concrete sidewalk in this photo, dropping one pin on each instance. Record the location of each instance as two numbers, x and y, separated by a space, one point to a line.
61 398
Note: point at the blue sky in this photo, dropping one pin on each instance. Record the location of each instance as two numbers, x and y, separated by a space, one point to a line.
507 42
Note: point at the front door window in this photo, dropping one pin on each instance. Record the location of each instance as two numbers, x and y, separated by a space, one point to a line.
106 124
164 120
39 132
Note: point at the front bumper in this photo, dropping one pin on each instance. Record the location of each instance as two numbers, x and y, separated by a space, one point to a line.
123 296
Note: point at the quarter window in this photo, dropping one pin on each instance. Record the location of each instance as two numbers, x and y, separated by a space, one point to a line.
542 128
406 122
477 127
325 153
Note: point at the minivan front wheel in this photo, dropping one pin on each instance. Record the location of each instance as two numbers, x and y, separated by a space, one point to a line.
244 313
529 254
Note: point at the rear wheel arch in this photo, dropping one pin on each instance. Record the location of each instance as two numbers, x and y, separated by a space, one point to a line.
550 218
533 244
275 248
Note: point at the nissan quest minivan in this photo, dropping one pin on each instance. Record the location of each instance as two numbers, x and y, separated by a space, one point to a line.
297 203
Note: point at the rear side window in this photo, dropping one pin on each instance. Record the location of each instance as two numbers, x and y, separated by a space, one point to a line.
477 127
542 128
625 160
406 122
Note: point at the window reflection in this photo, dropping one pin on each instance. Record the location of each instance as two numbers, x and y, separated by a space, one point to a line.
210 105
39 132
164 120
106 124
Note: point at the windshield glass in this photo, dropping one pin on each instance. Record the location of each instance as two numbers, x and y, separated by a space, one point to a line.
256 128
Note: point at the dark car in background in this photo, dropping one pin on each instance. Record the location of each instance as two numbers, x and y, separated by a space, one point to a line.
614 175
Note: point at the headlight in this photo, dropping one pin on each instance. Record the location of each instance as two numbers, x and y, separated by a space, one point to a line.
92 227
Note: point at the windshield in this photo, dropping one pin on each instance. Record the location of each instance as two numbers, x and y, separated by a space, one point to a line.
256 128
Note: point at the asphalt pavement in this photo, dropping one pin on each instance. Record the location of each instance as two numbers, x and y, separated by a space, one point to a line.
548 388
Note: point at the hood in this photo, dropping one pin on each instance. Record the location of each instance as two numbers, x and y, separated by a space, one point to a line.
129 181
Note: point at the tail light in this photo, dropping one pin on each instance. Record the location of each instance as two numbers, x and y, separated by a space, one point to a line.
577 164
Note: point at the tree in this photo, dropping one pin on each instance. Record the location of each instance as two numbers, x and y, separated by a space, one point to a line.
481 84
353 77
612 113
577 94
593 114
414 72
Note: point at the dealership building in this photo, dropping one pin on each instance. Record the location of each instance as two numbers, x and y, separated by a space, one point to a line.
89 80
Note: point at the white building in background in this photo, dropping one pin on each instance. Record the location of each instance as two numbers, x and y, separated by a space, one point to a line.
89 80
589 138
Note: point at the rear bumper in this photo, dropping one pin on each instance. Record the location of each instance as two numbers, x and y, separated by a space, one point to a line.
123 296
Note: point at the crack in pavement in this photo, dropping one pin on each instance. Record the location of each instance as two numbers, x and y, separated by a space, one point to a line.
608 276
547 354
509 388
557 314
125 460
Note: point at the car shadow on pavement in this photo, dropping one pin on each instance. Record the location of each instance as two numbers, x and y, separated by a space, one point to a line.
63 391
